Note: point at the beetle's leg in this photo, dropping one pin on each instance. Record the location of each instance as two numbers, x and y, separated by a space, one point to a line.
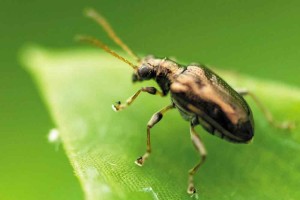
151 90
266 112
202 151
156 117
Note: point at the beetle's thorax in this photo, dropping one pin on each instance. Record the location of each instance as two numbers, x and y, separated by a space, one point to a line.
165 71
164 67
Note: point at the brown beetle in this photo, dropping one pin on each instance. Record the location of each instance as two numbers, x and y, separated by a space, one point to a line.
200 95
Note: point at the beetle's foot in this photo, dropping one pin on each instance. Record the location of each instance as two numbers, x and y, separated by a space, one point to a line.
141 160
117 106
191 189
287 125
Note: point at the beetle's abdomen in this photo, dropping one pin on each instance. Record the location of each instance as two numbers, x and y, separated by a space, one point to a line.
200 95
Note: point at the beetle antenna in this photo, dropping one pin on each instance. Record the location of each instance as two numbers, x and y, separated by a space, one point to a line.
98 43
111 33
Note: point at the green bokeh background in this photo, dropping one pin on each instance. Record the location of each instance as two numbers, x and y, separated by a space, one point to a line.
258 38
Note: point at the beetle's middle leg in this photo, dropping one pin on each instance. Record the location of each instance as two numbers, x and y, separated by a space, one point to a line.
265 111
151 90
202 151
156 117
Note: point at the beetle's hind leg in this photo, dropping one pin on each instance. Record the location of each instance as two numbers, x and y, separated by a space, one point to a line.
154 119
202 151
268 115
151 90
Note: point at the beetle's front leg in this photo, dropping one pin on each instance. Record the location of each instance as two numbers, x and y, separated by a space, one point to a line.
282 125
154 119
151 90
202 151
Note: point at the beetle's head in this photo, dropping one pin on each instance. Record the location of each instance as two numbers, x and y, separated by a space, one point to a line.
145 71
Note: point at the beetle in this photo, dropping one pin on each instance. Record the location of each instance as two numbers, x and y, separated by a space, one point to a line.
199 94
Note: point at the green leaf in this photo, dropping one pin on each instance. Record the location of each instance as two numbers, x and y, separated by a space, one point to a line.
79 87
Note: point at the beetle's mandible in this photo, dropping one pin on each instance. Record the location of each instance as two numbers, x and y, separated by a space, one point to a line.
199 94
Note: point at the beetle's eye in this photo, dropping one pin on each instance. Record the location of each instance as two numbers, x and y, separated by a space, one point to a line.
135 78
145 72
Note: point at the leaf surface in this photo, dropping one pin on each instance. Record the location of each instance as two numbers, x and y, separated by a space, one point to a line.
79 87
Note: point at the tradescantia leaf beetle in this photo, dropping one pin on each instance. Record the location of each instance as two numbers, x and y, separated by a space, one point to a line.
199 94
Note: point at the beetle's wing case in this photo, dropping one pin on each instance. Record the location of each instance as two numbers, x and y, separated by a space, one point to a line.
202 95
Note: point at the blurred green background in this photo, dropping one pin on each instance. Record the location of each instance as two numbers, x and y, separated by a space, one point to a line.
259 38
